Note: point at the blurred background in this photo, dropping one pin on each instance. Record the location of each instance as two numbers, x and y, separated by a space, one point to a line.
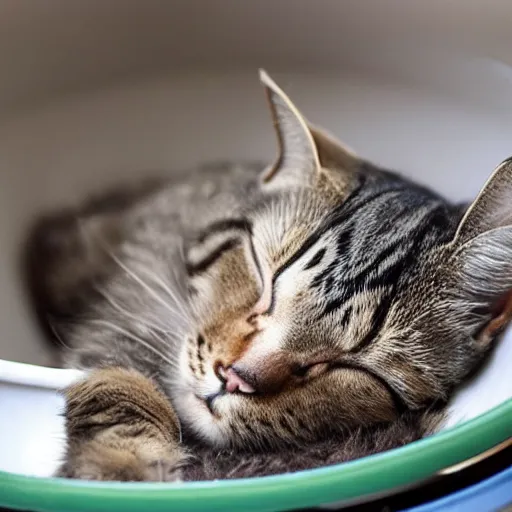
96 91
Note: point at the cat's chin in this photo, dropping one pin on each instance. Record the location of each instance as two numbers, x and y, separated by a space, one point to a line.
196 416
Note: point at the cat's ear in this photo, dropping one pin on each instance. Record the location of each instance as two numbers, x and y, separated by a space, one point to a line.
303 150
298 158
482 257
491 209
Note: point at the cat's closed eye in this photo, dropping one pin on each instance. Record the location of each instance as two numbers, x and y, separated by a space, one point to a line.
310 370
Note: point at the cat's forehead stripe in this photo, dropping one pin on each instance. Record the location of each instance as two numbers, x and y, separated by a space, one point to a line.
366 245
223 225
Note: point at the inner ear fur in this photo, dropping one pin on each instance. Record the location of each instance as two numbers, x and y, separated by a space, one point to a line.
481 258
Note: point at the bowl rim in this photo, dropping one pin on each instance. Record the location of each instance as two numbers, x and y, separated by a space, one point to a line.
348 481
32 375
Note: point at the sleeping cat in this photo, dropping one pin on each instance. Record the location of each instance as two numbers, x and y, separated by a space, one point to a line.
241 320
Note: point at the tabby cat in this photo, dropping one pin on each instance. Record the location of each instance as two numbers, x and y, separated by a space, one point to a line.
240 320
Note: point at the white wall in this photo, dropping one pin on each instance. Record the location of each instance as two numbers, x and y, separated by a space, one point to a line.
55 153
52 46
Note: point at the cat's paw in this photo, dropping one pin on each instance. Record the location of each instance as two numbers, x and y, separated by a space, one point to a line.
95 461
120 427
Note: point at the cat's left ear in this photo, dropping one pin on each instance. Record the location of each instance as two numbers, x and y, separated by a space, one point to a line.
303 150
481 262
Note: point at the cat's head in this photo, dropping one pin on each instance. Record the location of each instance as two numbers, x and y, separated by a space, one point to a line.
340 296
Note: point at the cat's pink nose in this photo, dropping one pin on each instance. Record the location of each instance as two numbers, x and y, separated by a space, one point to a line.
234 382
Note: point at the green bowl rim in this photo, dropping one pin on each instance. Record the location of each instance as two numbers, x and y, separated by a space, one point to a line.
375 474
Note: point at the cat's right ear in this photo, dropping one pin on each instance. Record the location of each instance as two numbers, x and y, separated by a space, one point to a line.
481 261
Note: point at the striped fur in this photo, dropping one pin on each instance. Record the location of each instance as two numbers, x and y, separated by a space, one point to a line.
317 303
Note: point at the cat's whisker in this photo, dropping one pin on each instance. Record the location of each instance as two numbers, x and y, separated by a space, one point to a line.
131 316
57 335
129 271
134 337
133 275
171 337
184 295
176 300
172 363
140 281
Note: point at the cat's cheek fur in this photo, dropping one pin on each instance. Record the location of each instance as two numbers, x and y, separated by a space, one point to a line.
192 410
196 417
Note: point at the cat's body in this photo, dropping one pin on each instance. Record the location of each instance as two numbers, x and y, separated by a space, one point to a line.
276 319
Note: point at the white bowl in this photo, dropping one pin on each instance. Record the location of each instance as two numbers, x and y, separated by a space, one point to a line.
32 425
